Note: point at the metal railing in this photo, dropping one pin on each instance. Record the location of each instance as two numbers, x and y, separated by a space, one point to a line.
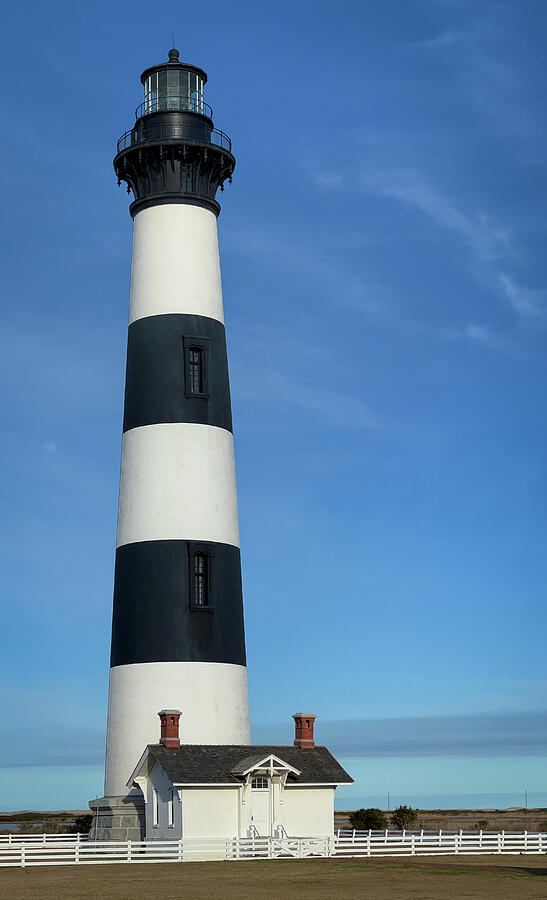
175 133
173 104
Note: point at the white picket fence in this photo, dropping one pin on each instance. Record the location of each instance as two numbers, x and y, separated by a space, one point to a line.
186 850
63 850
17 838
429 843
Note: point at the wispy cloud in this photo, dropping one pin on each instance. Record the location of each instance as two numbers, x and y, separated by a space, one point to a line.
445 38
500 93
290 388
525 301
490 245
490 735
49 447
66 728
479 334
488 242
494 80
334 408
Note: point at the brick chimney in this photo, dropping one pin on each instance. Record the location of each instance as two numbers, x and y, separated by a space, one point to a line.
303 730
169 719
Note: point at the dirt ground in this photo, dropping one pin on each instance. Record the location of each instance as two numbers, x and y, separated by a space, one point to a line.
477 877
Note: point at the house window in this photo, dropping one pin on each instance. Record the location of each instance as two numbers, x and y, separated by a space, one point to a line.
195 366
155 809
200 575
171 809
259 784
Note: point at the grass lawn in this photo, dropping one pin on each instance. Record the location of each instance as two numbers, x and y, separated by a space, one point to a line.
456 878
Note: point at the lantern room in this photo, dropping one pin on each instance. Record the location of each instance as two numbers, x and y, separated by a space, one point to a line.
173 86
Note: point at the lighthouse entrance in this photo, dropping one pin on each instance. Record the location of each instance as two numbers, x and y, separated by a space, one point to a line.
260 806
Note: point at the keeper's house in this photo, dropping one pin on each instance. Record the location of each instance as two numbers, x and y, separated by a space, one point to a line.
225 790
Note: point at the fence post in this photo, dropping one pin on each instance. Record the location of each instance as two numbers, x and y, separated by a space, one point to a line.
9 838
480 839
368 843
456 844
353 837
525 841
421 836
179 853
413 845
499 842
77 852
23 862
129 851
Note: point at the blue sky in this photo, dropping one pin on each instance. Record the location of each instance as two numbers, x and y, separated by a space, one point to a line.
385 289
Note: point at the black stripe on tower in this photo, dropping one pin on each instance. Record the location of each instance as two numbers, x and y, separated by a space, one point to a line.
164 382
156 616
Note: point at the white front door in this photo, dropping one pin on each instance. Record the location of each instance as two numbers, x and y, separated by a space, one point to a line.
260 806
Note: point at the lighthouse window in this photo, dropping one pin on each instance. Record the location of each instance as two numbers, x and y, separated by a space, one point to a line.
195 369
173 89
195 365
201 579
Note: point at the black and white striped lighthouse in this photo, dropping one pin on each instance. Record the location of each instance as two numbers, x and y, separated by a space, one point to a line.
177 633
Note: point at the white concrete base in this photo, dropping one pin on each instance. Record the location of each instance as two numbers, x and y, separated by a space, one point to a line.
212 697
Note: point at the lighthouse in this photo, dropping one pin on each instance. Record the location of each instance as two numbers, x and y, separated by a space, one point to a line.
177 630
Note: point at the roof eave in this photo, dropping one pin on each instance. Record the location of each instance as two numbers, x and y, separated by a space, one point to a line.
138 767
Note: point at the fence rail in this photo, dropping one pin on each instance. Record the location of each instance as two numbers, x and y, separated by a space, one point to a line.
186 850
18 838
416 843
63 850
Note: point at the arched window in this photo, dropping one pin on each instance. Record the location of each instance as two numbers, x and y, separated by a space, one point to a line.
259 784
200 587
195 370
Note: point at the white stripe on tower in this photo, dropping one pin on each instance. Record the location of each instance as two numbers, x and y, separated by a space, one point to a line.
170 649
175 266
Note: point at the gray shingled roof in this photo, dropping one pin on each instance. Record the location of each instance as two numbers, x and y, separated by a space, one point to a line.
215 763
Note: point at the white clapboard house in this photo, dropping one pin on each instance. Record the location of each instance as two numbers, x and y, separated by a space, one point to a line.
225 790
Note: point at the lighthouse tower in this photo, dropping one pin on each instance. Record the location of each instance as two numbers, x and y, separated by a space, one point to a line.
177 632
